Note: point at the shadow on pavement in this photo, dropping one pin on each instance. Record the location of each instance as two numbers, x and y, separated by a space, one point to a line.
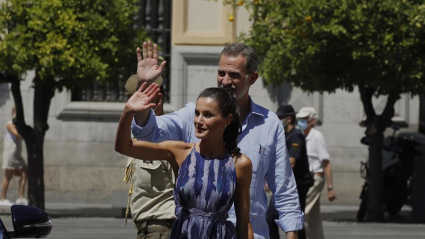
405 216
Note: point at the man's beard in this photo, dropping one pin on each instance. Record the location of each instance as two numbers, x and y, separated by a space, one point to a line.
231 89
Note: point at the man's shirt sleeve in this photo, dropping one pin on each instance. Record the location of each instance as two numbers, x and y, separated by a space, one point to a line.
321 147
173 126
282 183
295 144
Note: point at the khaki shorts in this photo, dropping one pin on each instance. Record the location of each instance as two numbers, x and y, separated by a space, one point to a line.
155 229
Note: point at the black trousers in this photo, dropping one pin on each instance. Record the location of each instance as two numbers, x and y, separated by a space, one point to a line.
272 215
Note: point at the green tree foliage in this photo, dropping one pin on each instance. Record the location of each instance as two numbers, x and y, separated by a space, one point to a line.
324 45
68 43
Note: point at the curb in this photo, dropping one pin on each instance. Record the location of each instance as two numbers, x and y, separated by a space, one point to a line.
87 212
333 213
57 210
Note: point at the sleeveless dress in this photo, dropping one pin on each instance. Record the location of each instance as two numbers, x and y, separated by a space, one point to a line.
204 193
12 158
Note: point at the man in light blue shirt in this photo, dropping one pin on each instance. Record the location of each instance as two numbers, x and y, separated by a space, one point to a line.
262 138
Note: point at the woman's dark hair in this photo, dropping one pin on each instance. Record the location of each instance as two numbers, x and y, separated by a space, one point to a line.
228 105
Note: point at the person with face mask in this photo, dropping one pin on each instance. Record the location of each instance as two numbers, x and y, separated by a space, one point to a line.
297 152
320 167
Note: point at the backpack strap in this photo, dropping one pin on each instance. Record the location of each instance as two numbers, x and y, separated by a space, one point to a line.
128 177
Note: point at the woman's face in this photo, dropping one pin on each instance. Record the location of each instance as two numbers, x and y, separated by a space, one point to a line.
209 123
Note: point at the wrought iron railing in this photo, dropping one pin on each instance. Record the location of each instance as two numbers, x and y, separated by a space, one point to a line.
155 19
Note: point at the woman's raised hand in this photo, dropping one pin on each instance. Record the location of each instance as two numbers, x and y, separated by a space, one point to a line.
143 98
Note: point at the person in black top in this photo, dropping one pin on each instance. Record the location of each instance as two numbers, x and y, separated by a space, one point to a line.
297 152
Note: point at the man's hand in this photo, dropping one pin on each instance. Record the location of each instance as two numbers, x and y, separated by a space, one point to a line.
327 169
292 235
142 99
331 195
266 187
147 67
159 109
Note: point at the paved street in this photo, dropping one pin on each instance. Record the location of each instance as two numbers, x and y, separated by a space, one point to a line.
338 230
86 228
90 228
89 221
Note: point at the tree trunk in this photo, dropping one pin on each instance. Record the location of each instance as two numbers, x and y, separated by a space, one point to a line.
376 126
35 170
34 137
375 176
422 113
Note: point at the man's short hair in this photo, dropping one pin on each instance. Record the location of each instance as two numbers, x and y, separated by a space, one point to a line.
236 49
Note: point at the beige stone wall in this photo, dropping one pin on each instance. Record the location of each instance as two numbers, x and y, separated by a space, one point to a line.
201 22
80 164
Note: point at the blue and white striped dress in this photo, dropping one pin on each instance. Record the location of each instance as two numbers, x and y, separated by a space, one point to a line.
203 195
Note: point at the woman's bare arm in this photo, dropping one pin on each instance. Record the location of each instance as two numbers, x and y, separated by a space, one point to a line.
168 150
243 167
11 127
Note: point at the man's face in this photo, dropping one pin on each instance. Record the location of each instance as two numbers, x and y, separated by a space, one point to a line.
286 121
232 76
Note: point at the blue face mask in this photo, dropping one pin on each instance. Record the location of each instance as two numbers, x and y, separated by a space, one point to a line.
302 124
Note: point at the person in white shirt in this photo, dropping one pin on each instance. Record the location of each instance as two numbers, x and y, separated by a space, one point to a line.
13 163
320 167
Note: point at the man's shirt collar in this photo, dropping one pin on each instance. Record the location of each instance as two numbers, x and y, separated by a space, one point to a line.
255 109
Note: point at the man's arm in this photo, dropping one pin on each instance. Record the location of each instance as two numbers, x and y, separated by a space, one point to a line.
145 125
293 161
294 146
282 183
327 169
323 154
292 235
147 71
174 126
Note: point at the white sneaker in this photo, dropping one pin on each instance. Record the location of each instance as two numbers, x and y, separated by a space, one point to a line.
21 201
5 203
